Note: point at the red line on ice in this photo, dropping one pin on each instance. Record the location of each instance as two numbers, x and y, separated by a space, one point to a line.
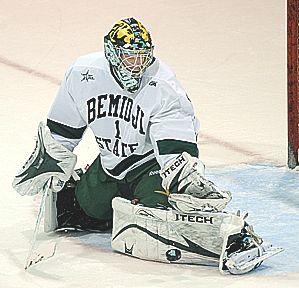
56 81
29 70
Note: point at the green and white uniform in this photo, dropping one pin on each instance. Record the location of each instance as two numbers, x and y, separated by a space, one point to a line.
131 129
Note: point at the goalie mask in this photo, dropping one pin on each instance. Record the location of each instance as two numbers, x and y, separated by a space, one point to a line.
129 50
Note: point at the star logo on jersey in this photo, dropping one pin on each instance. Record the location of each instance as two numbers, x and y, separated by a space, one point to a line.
87 76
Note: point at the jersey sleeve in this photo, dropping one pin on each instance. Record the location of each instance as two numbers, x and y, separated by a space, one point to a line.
174 126
64 119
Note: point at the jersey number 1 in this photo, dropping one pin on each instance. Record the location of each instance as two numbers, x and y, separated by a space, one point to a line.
117 134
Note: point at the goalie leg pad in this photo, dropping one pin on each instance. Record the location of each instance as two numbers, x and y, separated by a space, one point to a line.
63 212
204 238
168 235
50 216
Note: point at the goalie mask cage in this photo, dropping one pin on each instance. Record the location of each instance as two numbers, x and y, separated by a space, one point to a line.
292 78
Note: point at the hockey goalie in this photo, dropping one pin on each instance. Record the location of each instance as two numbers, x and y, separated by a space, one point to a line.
148 183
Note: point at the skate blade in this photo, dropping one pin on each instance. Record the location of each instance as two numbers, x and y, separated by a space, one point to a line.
254 263
266 254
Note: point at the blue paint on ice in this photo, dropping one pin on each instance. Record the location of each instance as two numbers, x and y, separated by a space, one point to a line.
271 197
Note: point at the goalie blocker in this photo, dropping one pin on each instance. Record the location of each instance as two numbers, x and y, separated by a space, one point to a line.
208 238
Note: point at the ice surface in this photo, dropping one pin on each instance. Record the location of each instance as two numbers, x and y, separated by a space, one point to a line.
229 56
271 197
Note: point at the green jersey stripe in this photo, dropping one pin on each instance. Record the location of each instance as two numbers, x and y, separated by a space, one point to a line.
65 131
173 146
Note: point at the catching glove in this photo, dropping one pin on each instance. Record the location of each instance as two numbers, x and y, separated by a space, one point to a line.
49 159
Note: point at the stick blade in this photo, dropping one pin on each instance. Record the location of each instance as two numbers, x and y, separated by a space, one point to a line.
42 253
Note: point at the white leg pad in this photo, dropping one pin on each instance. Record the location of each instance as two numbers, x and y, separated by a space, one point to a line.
50 216
169 235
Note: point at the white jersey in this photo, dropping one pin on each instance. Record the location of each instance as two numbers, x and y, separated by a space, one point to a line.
157 121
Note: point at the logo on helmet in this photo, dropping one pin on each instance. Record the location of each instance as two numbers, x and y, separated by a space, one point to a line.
131 34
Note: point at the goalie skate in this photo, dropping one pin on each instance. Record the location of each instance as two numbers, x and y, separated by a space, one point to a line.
246 252
244 262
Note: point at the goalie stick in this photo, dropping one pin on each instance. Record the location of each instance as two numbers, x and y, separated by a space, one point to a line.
35 256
